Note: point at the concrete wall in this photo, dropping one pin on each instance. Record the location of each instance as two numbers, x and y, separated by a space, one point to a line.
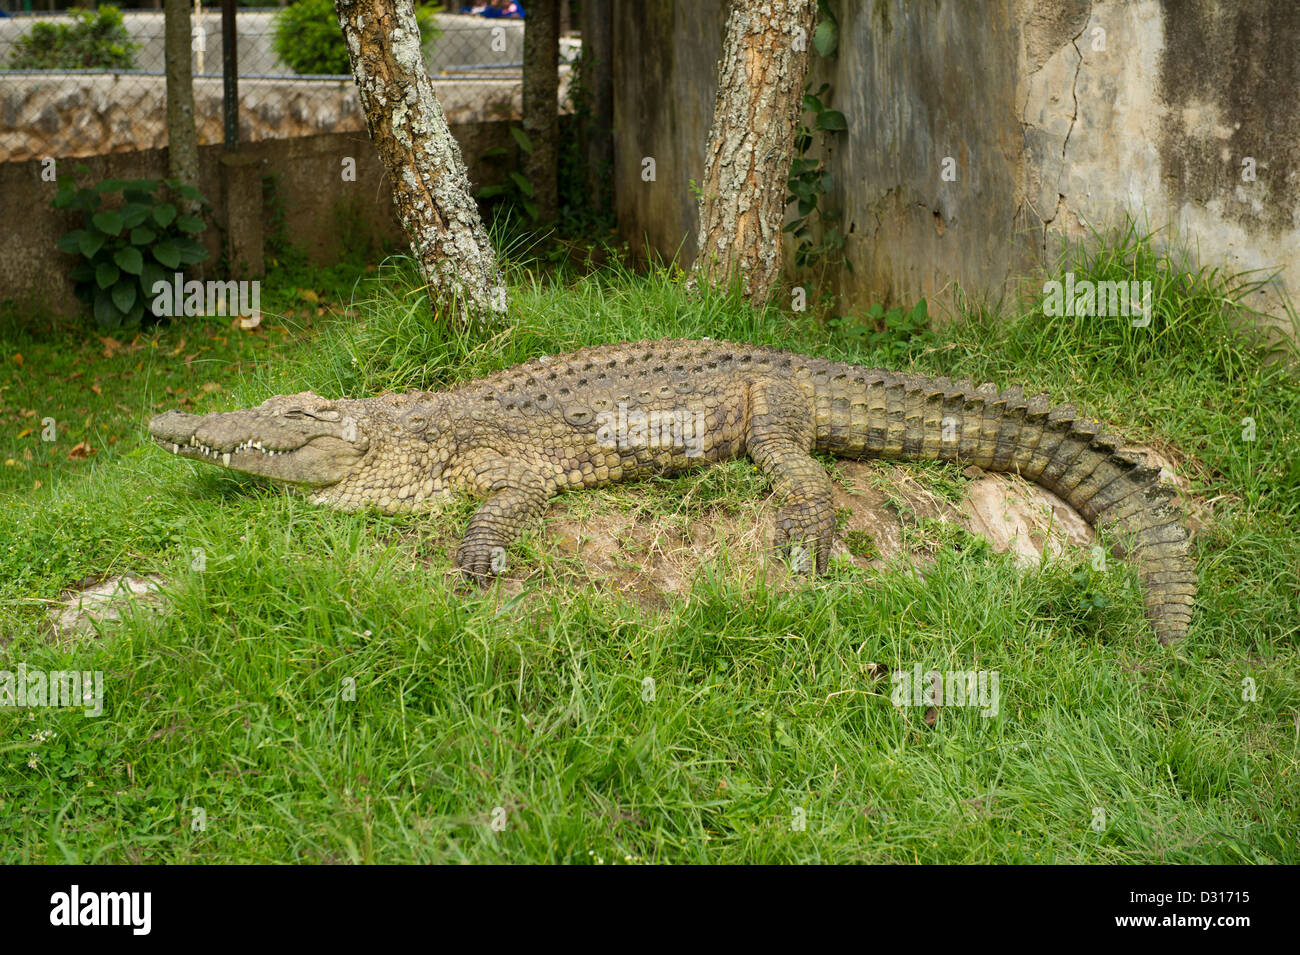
1059 115
323 214
665 77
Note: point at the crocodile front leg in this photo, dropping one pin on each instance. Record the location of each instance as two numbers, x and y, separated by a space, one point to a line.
778 439
516 494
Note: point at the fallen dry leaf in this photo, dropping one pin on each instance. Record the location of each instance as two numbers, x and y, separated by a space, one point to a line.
81 450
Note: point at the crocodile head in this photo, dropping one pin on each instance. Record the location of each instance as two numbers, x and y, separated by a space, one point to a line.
347 454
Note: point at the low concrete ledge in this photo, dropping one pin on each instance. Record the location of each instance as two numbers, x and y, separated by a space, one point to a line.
88 114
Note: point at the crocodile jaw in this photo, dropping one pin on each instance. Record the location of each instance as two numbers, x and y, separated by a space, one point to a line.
313 453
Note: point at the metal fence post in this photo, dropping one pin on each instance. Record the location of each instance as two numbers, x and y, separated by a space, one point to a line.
230 73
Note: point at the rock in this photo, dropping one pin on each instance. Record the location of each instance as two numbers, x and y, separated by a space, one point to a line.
1021 518
84 612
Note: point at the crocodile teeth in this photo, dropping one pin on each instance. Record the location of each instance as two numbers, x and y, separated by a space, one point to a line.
225 459
176 448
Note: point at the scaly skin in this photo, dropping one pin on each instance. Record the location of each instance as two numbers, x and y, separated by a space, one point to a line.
615 412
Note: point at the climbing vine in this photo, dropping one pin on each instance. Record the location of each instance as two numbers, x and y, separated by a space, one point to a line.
810 181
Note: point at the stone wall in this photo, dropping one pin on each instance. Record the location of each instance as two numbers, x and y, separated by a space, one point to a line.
64 115
1058 117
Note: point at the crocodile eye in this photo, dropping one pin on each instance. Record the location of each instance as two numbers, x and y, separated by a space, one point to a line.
327 414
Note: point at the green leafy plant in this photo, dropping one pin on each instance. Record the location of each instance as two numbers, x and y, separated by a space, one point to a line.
1081 599
826 37
126 249
91 41
899 333
809 180
307 37
516 190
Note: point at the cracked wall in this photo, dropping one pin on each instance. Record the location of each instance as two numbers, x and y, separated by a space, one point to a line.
983 134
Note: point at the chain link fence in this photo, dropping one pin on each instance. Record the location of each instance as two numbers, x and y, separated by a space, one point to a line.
80 83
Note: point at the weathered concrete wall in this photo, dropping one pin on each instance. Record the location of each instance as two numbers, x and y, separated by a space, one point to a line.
323 214
921 83
1058 116
665 76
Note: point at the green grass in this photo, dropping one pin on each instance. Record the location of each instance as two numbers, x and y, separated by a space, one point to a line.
764 702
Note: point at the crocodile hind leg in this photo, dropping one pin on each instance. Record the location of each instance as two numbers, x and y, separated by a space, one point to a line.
515 494
778 439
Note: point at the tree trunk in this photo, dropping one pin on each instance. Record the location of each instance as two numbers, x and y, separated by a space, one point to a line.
541 107
597 133
430 185
760 89
182 140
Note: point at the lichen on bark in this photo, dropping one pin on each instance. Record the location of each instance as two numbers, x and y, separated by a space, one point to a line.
430 184
742 200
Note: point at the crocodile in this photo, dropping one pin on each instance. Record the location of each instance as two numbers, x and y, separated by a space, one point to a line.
616 412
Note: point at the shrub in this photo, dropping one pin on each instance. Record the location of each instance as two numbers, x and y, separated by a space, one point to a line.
92 41
309 40
899 334
129 248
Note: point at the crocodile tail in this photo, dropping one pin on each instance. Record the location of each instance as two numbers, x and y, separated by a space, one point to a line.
1075 457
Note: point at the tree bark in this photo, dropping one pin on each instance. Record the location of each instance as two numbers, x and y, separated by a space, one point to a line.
760 88
597 133
431 187
182 139
541 107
